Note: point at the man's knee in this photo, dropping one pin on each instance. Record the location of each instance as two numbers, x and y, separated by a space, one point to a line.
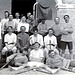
4 51
70 51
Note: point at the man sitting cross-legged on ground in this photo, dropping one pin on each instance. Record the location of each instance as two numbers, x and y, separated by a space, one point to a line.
54 61
36 60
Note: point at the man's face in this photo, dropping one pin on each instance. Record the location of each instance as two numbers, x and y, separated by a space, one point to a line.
50 32
28 14
23 29
36 46
43 21
66 19
17 15
52 54
57 20
10 17
35 32
10 30
23 19
6 14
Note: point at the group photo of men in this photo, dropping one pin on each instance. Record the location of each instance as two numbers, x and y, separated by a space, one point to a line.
29 43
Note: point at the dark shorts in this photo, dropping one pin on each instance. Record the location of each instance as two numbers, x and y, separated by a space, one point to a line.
63 45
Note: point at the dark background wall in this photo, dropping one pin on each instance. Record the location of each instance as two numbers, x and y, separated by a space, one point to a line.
22 6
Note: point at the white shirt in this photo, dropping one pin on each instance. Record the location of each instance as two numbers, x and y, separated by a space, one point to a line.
38 39
37 53
3 21
50 40
16 20
10 38
23 24
0 30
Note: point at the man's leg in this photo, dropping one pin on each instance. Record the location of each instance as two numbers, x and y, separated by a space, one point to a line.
63 47
14 49
70 47
21 67
48 69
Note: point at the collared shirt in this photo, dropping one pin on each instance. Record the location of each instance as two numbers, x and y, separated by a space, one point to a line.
3 21
10 23
37 54
10 38
50 40
23 24
38 39
67 31
0 30
16 20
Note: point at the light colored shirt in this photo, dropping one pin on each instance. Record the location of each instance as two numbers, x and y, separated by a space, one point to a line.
10 23
67 31
57 30
0 30
50 40
37 54
42 28
10 38
3 21
38 39
23 24
16 20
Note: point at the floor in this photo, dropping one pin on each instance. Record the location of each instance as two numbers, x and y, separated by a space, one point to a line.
6 71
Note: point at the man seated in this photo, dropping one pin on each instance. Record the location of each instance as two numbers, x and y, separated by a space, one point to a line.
54 61
49 47
10 42
36 60
50 38
23 40
36 37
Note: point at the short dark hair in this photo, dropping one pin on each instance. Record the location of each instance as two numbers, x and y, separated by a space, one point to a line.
65 16
35 43
7 12
22 26
9 27
50 51
50 29
35 29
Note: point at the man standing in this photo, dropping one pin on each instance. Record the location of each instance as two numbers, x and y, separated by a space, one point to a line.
6 13
10 22
66 38
42 28
23 23
16 19
57 32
